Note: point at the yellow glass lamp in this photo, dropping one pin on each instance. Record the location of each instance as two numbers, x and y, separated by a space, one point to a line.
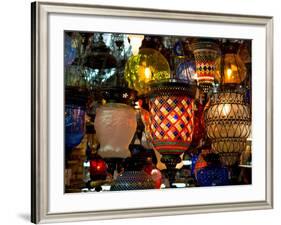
233 70
148 65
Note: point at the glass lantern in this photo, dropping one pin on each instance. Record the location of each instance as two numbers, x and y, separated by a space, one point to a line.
206 54
148 65
228 123
115 125
233 69
171 122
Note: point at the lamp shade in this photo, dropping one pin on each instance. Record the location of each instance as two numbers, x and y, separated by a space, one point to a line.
206 54
148 65
228 124
171 117
115 126
232 69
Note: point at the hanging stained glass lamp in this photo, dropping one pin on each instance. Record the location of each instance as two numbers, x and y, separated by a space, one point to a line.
206 54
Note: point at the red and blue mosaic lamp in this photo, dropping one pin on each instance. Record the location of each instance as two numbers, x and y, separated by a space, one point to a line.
171 121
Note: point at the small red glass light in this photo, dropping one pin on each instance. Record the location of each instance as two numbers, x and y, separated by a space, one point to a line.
98 168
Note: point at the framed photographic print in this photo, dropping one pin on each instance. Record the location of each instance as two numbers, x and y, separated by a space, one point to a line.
146 112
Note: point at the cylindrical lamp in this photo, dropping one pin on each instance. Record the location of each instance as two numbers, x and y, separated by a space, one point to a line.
232 69
206 54
171 117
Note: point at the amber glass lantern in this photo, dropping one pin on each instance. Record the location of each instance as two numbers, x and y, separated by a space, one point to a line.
206 54
233 69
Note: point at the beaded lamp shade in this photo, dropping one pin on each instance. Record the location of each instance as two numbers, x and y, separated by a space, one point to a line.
171 117
228 123
205 54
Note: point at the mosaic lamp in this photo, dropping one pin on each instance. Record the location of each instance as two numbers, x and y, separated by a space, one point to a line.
171 121
146 66
206 54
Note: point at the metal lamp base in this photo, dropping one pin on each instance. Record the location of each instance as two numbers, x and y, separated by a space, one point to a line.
170 163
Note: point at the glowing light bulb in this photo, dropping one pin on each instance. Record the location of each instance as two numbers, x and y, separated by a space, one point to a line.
226 109
147 74
229 73
135 42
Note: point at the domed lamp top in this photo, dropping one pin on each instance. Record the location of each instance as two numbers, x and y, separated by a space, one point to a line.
230 69
148 65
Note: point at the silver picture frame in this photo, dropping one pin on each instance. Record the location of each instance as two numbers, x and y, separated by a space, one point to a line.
40 102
